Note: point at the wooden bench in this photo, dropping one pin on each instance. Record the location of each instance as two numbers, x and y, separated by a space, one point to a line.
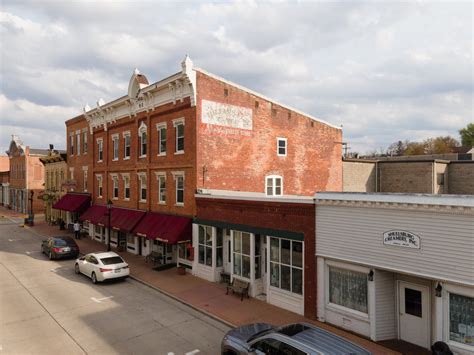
154 257
240 287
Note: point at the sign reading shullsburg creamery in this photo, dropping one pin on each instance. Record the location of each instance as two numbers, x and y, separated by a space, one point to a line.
401 239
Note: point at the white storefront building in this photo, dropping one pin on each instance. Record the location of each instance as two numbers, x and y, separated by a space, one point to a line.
397 266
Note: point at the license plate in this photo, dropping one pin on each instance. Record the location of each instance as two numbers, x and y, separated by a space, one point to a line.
66 250
117 271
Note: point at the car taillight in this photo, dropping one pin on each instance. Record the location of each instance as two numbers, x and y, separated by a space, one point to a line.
57 250
104 270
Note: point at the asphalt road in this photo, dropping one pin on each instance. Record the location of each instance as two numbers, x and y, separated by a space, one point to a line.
45 308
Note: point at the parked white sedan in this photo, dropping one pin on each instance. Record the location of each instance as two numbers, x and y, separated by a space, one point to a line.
102 266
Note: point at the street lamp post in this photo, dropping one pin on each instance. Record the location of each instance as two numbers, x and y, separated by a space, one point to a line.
31 216
109 214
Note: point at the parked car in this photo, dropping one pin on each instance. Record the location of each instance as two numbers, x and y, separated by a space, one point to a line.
102 266
294 339
60 247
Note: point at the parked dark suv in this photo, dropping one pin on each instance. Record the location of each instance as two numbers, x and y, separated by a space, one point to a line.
60 247
292 339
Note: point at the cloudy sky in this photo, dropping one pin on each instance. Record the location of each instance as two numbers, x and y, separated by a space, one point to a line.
384 70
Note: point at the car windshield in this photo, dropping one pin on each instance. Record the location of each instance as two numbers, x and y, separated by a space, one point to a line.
60 242
112 260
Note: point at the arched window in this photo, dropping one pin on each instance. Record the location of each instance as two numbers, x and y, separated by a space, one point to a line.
142 135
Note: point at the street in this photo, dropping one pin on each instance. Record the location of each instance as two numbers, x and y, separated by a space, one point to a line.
45 308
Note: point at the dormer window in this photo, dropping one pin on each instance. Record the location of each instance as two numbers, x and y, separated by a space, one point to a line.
274 185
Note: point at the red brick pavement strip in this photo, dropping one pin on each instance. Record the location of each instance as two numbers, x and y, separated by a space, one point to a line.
201 295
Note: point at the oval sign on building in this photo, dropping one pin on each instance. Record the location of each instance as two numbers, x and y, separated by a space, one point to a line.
400 238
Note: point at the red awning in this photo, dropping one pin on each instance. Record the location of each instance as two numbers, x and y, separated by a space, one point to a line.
73 202
94 214
170 229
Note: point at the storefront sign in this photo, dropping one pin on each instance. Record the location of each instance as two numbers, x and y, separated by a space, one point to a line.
401 239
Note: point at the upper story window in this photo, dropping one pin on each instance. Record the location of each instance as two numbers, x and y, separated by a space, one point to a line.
179 180
142 181
161 127
179 133
143 139
84 182
100 149
274 185
71 144
78 142
281 147
126 186
115 147
84 141
71 170
126 145
161 177
99 186
115 187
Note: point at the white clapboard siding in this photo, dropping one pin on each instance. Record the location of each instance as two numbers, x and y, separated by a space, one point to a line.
385 306
356 234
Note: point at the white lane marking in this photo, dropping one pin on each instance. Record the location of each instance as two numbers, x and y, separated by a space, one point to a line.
99 300
170 353
13 240
31 252
195 351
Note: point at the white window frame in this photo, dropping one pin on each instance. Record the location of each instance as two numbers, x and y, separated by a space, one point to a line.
291 266
161 176
126 185
71 171
100 186
126 135
285 140
85 176
206 246
141 130
142 179
115 186
78 142
177 175
273 178
100 150
71 144
84 141
159 128
176 123
241 254
115 147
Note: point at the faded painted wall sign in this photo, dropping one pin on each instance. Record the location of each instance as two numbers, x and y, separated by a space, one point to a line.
401 239
215 113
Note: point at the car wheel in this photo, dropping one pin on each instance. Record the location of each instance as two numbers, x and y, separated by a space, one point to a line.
93 278
76 269
50 256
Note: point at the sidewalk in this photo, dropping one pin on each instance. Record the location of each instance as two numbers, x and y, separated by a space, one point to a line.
202 295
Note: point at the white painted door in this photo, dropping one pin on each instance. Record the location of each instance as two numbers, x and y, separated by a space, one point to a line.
414 314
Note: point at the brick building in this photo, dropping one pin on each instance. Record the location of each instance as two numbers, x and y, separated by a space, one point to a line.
154 151
26 177
4 180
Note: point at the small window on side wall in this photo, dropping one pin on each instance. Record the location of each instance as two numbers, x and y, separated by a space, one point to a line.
274 185
281 147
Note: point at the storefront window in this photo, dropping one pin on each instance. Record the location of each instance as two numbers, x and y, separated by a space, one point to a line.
286 265
461 319
219 245
185 251
205 245
242 254
258 257
348 289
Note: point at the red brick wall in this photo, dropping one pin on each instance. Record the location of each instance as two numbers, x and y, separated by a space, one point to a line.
83 159
239 162
295 217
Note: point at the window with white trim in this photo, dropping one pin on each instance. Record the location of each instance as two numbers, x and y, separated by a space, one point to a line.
99 186
84 141
241 254
78 142
143 187
71 144
205 245
71 171
286 264
84 186
461 319
179 182
348 289
274 185
162 188
115 187
281 147
161 127
100 150
115 147
143 139
126 187
126 145
179 134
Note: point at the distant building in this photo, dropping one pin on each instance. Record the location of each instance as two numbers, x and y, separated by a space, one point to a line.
431 176
26 177
4 180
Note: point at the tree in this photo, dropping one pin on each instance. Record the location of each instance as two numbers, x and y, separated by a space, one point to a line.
415 148
397 148
467 135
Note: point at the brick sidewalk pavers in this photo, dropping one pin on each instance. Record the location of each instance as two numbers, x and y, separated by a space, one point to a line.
200 294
